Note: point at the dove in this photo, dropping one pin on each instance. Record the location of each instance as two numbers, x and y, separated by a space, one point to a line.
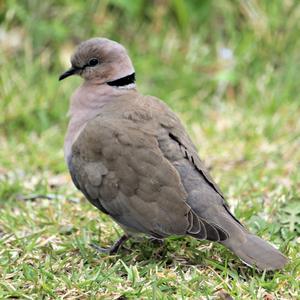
132 158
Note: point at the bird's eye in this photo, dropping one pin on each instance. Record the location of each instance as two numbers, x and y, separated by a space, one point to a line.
93 62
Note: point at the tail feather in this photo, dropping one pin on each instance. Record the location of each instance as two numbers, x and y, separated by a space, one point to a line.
250 248
256 252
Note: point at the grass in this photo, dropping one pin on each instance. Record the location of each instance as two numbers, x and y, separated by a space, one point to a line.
228 68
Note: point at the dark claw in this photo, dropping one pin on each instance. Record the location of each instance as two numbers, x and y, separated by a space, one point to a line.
101 250
157 242
114 248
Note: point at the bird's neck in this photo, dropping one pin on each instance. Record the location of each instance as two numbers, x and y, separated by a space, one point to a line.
126 82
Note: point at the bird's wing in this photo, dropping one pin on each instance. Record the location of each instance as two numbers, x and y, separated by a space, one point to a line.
121 169
203 194
177 133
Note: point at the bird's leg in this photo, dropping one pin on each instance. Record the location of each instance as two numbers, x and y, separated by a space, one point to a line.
156 241
114 248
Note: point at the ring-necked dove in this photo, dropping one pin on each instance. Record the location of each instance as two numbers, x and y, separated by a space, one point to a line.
131 157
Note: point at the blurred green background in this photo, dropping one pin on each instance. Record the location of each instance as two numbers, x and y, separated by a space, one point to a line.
230 70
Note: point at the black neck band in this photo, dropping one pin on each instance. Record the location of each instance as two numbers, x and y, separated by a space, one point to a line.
123 81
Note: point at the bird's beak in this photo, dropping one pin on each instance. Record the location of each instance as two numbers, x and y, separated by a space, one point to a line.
68 73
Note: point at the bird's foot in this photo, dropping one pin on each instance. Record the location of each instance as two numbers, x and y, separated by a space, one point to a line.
156 242
114 248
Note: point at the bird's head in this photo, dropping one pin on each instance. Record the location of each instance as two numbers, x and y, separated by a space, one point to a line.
100 60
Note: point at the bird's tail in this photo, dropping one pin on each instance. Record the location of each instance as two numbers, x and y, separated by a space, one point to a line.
256 252
251 249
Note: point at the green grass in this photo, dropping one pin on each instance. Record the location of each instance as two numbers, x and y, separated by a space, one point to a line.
243 114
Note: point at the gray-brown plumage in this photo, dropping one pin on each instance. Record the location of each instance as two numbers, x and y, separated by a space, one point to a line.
131 157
